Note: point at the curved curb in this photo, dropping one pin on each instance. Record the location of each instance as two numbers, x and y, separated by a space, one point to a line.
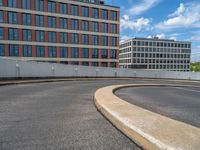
149 130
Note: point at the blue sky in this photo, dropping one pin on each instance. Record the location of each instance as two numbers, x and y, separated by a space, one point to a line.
171 19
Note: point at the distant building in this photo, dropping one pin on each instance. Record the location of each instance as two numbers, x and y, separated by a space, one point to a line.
77 32
154 53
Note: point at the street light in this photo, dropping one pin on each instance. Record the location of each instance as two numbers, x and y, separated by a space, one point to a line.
17 70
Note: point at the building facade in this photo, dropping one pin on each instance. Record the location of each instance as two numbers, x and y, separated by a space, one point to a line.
154 53
76 32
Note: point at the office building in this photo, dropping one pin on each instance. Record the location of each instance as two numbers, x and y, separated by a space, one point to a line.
76 32
155 53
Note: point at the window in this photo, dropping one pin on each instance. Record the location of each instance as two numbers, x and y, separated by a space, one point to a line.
95 13
74 38
104 40
63 52
12 3
12 34
74 10
113 64
26 35
74 24
1 33
40 51
113 41
2 53
52 22
1 2
39 5
95 64
52 51
113 15
63 37
113 28
52 37
74 52
40 36
1 16
104 53
95 40
26 4
104 14
27 51
63 23
63 8
85 25
113 54
85 53
104 64
104 27
85 11
12 18
85 39
26 19
39 21
95 53
51 6
13 50
85 63
95 26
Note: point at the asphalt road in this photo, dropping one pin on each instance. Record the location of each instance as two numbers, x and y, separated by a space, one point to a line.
58 115
180 103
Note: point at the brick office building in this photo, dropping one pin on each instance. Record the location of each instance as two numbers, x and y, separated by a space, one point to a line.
77 32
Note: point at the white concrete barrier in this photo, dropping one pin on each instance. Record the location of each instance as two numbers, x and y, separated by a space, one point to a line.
10 68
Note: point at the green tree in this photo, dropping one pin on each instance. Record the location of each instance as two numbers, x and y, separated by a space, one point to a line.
195 67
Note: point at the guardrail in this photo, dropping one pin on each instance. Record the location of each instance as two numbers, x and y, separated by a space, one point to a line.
10 68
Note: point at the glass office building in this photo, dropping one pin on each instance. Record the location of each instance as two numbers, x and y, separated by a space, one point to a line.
155 54
76 32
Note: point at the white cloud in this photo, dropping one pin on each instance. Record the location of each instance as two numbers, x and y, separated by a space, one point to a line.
125 37
142 7
161 36
186 15
138 24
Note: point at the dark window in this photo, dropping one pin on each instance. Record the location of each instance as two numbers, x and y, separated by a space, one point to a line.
26 35
104 40
26 19
27 51
39 21
52 51
84 39
13 50
104 64
12 34
95 26
63 8
51 6
85 53
95 53
63 23
74 10
113 41
113 54
63 37
95 40
1 33
104 27
26 4
85 25
74 52
12 3
95 13
40 51
113 28
85 11
2 52
52 37
63 52
104 14
1 16
95 64
104 53
40 36
74 24
74 38
52 22
12 18
85 63
113 15
39 5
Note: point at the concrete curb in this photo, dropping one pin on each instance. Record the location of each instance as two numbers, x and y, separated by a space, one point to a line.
149 130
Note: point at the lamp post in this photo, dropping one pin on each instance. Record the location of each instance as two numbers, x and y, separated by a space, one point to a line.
17 70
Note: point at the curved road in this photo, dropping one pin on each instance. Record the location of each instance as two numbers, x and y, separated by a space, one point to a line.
180 103
59 115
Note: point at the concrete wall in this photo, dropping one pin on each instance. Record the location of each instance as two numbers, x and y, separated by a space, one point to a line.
16 68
